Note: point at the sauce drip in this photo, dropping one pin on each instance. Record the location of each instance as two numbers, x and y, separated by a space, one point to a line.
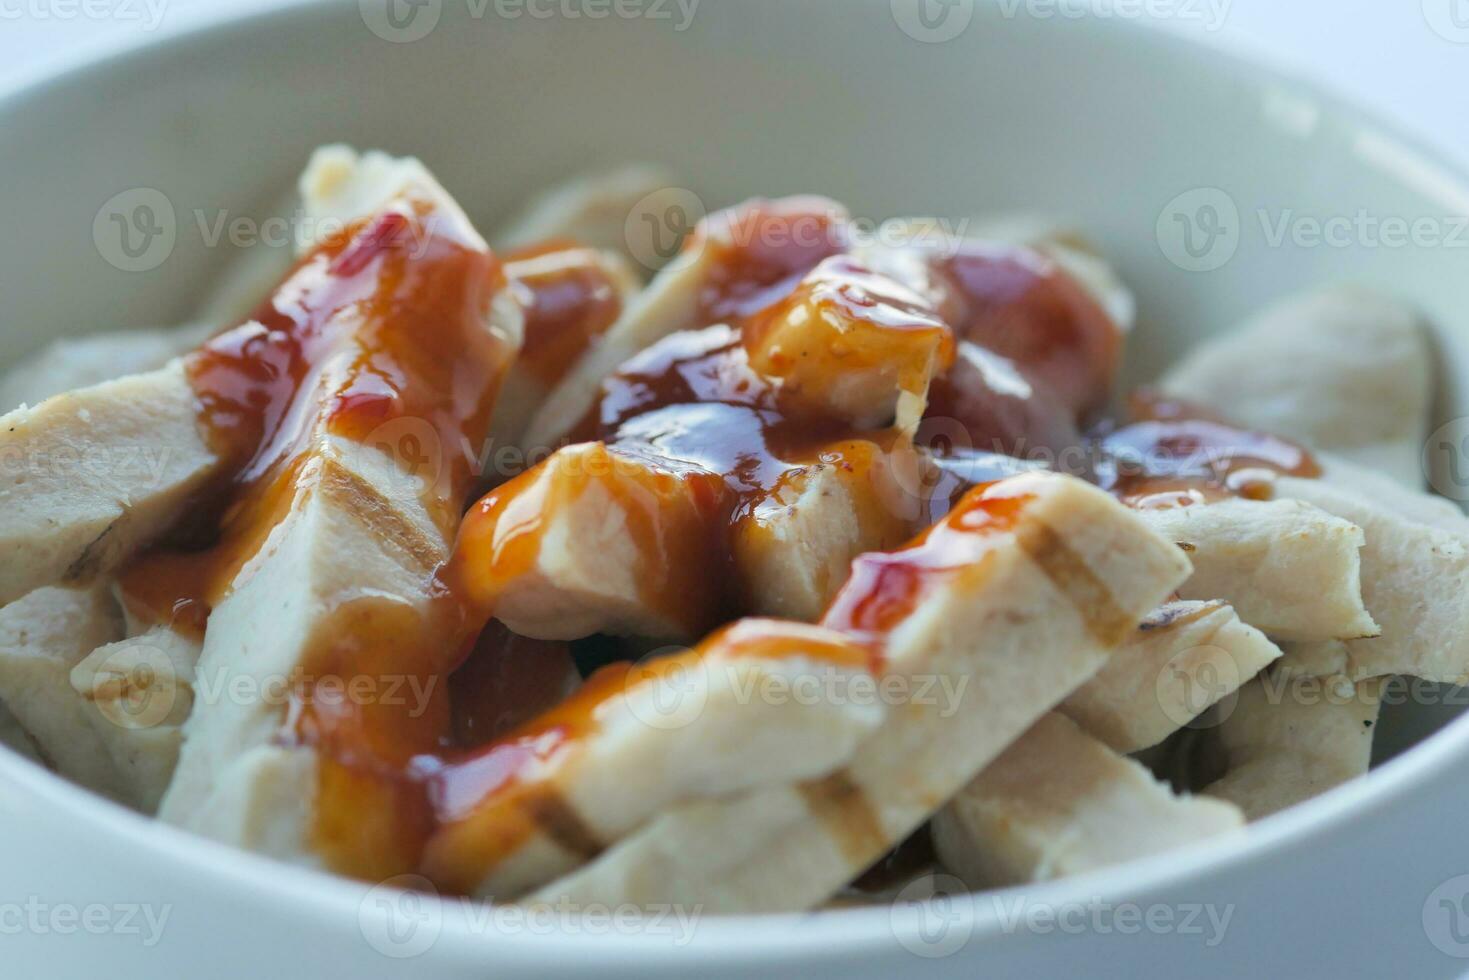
1178 454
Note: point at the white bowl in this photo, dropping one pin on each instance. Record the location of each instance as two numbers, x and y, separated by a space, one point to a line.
1099 119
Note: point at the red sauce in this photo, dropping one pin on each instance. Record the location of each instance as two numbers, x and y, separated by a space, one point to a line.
1180 454
886 587
760 250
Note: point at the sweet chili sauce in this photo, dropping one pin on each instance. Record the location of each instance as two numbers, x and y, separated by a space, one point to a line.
1176 454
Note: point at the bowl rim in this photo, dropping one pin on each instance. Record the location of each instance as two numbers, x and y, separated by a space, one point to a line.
733 941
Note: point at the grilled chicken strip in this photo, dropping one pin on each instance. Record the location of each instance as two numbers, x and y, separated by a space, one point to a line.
89 477
42 637
747 707
330 574
600 539
141 690
1289 569
1184 658
1023 589
1415 575
1289 739
1343 369
1059 802
81 362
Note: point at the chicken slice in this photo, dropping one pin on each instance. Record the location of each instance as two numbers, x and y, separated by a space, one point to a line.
736 262
793 548
851 344
1343 369
42 637
599 539
89 477
142 690
758 703
342 584
1059 802
1289 569
1415 575
1182 661
1289 739
81 362
1021 592
599 210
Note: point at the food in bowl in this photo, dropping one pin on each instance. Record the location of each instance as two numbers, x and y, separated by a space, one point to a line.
822 563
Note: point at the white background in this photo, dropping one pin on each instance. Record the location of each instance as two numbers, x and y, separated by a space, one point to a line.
1382 52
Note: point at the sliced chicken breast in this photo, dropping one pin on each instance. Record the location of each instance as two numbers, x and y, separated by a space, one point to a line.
759 703
43 636
81 362
1289 569
1059 802
89 477
1023 590
1184 658
1289 739
1342 369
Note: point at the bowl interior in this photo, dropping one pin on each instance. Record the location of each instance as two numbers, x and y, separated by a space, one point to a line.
1126 131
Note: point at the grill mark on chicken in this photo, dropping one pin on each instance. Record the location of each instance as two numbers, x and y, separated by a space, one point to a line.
1104 620
378 512
843 808
559 819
